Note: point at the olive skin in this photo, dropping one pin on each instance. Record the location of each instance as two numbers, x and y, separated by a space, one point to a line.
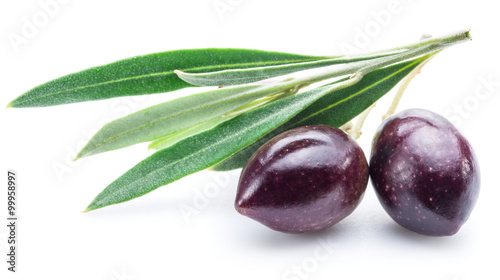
425 172
303 180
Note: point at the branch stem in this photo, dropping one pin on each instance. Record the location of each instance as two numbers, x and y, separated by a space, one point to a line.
423 47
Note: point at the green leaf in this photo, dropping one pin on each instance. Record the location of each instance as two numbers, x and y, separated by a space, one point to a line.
173 138
334 109
205 149
250 75
172 117
152 73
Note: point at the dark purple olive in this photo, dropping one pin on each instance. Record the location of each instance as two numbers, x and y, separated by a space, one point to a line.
303 180
425 172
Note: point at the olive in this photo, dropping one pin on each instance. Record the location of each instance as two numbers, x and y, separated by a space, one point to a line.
303 180
425 172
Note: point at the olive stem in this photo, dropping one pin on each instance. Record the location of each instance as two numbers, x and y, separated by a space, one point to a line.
402 88
355 131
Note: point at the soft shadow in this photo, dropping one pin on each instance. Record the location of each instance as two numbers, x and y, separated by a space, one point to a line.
278 240
395 231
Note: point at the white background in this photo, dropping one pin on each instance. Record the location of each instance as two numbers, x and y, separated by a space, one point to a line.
150 238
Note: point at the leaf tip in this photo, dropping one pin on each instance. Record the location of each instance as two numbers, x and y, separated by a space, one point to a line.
86 210
9 105
82 153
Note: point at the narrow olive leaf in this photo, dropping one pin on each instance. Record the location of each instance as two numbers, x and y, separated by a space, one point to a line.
173 138
250 75
262 101
171 117
334 109
207 148
147 74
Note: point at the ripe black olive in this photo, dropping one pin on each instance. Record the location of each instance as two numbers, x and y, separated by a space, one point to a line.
425 172
303 180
